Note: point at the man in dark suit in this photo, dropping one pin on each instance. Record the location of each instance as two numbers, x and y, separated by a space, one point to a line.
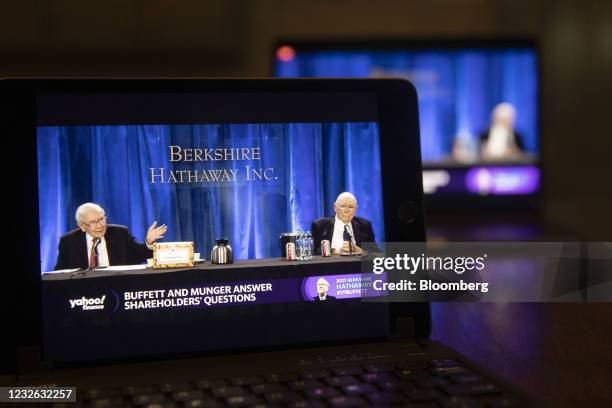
96 243
322 289
501 142
344 231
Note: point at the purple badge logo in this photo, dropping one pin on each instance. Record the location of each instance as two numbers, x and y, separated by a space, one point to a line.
503 180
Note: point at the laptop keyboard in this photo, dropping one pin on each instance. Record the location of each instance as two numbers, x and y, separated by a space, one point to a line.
442 383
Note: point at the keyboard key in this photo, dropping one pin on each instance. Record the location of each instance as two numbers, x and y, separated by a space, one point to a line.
341 381
208 384
282 397
281 377
246 380
134 390
230 391
411 374
307 404
203 403
466 378
109 402
99 393
321 392
265 405
168 404
379 368
376 377
241 400
458 402
359 389
146 399
188 395
315 375
348 371
358 356
300 385
449 362
267 388
385 398
168 387
395 385
411 365
343 401
449 370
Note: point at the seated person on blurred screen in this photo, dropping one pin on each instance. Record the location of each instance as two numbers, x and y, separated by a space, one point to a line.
344 231
95 243
501 142
322 289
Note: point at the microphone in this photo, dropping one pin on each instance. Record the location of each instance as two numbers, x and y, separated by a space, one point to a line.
347 236
94 246
96 242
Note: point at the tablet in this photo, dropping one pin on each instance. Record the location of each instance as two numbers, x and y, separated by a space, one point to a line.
239 160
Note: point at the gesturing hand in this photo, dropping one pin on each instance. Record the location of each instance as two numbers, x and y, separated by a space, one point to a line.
154 233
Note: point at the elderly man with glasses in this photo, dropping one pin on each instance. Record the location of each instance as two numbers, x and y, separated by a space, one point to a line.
322 289
97 244
344 231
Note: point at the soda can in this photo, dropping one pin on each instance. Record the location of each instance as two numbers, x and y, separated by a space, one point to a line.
290 247
325 248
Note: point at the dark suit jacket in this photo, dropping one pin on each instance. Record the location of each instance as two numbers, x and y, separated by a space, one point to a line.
323 228
122 248
316 298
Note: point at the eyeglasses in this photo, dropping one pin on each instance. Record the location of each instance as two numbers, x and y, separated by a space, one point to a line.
98 222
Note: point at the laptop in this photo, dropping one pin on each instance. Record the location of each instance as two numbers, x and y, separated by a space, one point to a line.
119 167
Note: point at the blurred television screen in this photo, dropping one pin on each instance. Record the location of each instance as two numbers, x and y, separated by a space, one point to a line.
478 105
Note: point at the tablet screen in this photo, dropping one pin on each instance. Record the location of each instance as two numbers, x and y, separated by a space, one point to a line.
120 171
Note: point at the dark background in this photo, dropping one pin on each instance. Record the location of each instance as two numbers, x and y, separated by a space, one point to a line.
561 352
194 38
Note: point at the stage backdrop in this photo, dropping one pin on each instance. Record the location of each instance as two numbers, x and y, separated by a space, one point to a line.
256 181
457 89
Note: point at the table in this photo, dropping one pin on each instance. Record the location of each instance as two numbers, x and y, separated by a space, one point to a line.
561 352
123 313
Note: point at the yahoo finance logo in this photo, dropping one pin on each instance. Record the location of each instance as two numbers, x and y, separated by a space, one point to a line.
85 303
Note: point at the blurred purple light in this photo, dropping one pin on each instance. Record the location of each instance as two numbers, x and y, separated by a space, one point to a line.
503 180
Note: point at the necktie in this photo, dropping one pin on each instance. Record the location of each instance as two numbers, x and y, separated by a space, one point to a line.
93 256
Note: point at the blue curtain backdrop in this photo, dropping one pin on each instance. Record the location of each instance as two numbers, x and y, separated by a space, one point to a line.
457 89
311 163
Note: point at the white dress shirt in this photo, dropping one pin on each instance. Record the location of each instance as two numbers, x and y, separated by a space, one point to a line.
338 237
500 140
102 251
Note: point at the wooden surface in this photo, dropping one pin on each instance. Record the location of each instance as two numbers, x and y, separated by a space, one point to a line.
561 352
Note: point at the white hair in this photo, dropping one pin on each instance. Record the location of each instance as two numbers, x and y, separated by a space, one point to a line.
85 208
322 281
504 109
346 194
